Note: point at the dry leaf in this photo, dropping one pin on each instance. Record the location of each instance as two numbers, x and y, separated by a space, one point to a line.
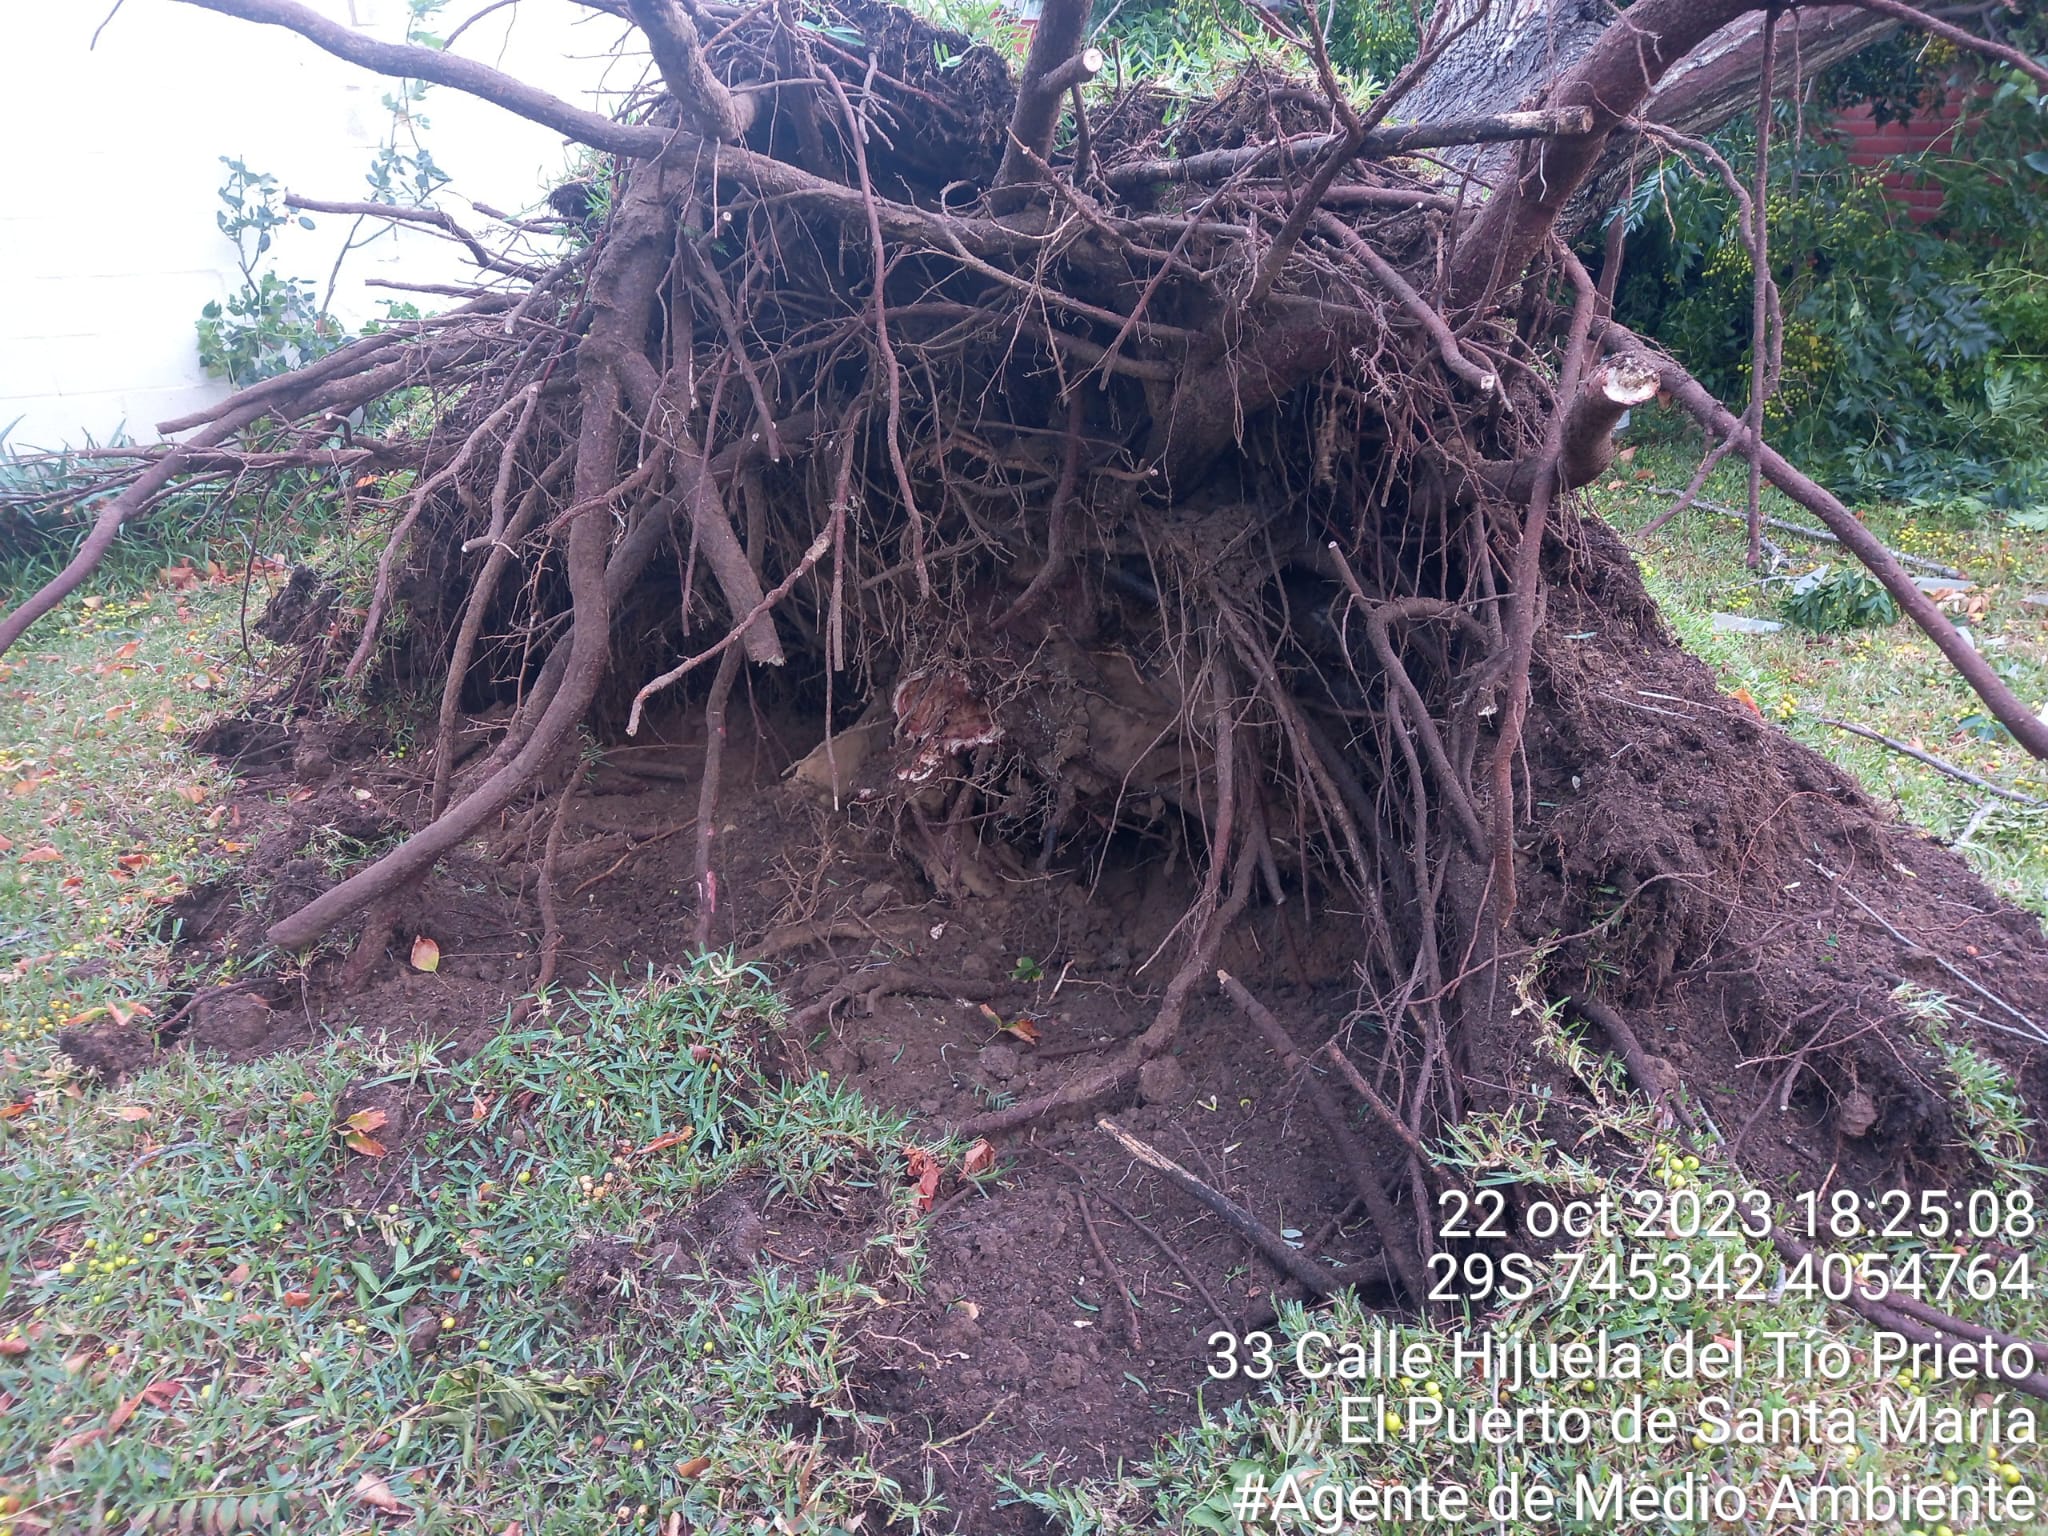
238 1274
16 1345
696 1466
123 1412
672 1139
131 1112
365 1143
1023 1029
18 1108
1744 698
979 1159
43 855
923 1169
375 1492
196 793
426 954
298 1298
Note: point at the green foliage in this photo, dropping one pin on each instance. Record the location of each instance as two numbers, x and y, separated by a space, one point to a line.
1915 356
1829 602
1195 45
276 323
273 324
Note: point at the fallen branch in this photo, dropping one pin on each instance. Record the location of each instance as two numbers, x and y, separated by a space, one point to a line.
1941 764
1380 144
1321 1281
1797 530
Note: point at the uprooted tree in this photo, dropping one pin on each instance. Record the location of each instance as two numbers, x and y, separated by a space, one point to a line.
1099 468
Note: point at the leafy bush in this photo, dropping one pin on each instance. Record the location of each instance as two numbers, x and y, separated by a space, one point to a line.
1916 356
1829 601
273 324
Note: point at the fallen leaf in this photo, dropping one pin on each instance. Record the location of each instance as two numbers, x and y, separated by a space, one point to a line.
193 792
298 1298
238 1274
923 1169
365 1143
131 1112
123 1412
18 1108
6 845
1743 697
163 1393
1024 1029
128 650
375 1492
696 1466
980 1158
426 954
16 1345
133 861
63 1449
672 1139
43 855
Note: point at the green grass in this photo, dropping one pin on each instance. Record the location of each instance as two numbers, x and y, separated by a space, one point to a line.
1890 680
210 1304
104 813
238 1290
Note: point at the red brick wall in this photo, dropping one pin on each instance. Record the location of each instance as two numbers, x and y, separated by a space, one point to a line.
1870 145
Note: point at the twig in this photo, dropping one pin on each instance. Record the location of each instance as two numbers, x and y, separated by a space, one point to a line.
1942 764
1172 1254
1321 1281
1112 1277
1349 1151
1786 525
811 557
1379 1106
1911 943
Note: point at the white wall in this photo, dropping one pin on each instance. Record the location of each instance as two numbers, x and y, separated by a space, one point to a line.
108 245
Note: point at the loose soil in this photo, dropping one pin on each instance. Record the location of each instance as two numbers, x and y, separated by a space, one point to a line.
1688 863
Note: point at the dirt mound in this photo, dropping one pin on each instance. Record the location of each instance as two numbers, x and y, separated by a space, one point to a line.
1745 906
